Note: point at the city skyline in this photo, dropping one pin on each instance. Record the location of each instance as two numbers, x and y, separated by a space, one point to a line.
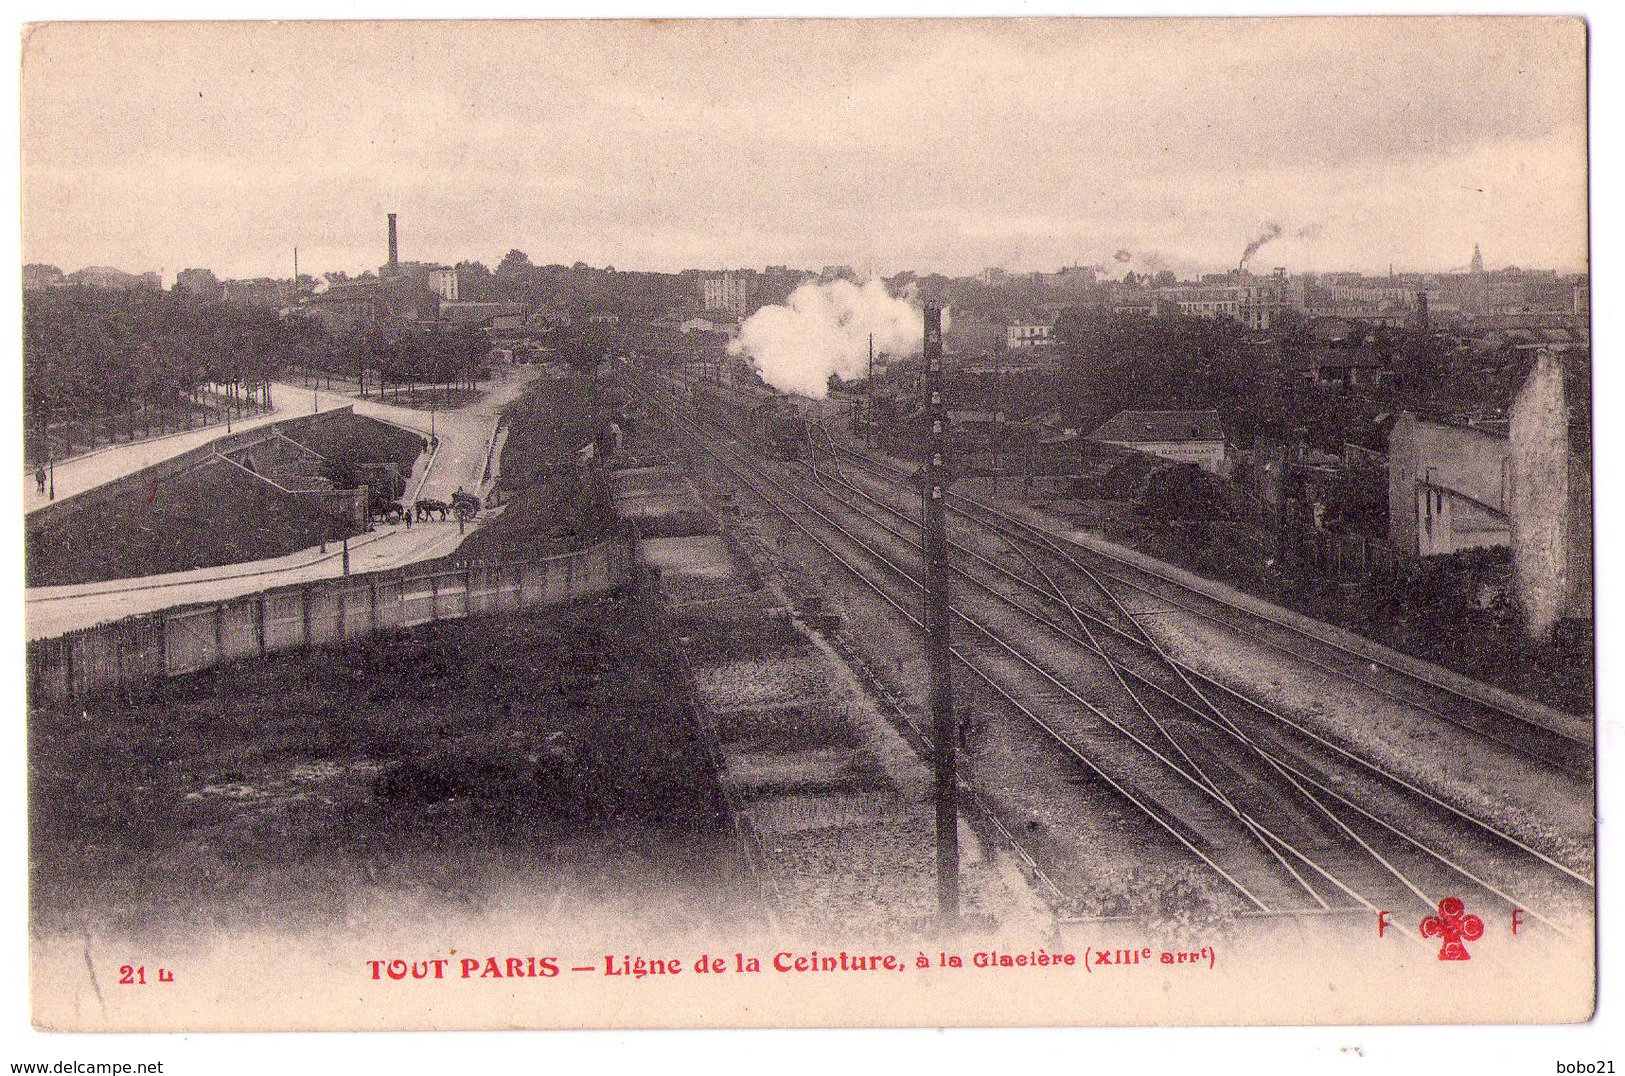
1263 269
1365 143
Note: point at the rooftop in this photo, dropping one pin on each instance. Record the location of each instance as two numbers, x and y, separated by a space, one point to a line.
1139 427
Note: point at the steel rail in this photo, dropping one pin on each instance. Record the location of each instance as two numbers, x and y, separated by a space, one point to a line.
1243 817
1058 737
1185 671
887 469
1291 774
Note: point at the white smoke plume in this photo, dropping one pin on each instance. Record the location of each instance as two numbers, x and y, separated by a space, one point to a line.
824 329
1539 432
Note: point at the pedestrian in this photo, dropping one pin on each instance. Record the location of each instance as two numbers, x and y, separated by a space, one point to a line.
39 477
408 517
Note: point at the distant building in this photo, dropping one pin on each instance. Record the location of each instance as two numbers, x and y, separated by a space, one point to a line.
37 275
1448 487
109 279
443 282
711 323
440 279
1452 488
1348 367
725 292
1253 301
199 282
494 315
1074 278
1182 436
1026 334
972 333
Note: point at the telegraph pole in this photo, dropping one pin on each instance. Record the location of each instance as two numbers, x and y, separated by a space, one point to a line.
998 409
938 645
869 390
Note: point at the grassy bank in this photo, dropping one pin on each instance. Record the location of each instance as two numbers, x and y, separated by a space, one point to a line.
442 761
550 503
213 514
1431 612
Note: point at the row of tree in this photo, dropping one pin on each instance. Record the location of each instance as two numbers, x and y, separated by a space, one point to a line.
117 358
412 356
577 290
100 362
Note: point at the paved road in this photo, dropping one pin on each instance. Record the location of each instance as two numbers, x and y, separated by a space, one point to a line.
463 435
459 460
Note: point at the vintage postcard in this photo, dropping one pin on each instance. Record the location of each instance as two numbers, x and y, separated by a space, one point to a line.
778 523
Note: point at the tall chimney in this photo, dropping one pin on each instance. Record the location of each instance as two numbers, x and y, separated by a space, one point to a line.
394 253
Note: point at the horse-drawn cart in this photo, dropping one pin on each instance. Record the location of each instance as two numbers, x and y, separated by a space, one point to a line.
466 505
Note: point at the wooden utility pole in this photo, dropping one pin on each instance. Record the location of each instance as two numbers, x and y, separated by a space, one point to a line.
869 439
938 645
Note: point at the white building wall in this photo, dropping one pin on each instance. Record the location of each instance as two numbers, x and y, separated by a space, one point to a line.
1026 335
1208 455
725 292
443 282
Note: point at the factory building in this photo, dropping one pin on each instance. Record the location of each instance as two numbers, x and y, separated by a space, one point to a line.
403 292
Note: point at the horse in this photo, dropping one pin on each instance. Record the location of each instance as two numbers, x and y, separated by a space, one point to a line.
386 512
426 505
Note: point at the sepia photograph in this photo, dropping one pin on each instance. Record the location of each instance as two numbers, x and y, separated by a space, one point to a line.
807 523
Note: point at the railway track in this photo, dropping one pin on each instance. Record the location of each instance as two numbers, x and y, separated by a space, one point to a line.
1504 723
1286 820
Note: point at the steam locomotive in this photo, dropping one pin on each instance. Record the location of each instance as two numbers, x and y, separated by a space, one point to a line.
770 420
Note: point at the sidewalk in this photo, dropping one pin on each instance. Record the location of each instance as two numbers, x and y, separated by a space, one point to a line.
465 438
56 610
109 462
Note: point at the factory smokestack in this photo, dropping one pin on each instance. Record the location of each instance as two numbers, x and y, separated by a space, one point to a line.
394 252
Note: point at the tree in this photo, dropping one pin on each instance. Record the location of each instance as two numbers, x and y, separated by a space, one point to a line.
1182 492
514 263
473 281
120 361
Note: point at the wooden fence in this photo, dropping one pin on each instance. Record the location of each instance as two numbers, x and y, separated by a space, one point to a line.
176 641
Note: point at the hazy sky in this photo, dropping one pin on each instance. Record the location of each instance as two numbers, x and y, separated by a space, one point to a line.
926 145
